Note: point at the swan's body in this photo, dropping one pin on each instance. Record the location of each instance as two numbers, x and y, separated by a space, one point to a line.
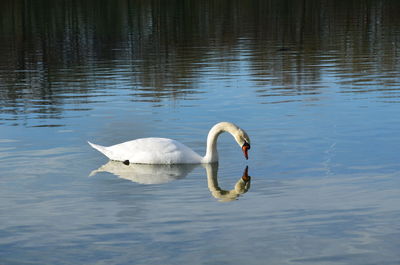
150 151
168 151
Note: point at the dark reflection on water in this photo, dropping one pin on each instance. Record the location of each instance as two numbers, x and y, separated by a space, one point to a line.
54 54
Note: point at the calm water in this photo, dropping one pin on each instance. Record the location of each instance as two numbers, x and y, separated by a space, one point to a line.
316 85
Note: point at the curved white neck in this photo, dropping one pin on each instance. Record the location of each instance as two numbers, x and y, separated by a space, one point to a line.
211 152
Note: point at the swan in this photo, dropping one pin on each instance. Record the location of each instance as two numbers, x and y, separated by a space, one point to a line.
168 151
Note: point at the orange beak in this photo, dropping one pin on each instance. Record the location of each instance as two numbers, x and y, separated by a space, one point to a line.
245 148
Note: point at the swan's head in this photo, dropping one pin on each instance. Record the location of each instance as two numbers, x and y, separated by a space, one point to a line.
239 134
243 140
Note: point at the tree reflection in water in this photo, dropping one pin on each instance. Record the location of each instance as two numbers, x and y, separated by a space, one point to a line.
59 53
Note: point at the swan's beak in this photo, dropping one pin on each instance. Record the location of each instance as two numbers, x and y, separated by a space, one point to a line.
245 148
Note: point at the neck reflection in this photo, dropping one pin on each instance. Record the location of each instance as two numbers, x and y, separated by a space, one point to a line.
241 186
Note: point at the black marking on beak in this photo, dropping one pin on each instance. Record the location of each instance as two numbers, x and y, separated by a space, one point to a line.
247 144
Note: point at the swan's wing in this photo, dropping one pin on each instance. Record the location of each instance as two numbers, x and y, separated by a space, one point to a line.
153 151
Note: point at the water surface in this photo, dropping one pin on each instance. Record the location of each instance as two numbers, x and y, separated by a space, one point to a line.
315 84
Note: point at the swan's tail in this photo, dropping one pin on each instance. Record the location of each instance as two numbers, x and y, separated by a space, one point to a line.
101 149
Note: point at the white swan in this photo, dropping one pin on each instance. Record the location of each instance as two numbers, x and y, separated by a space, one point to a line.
168 151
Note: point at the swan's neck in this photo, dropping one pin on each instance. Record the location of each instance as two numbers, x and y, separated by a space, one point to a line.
212 153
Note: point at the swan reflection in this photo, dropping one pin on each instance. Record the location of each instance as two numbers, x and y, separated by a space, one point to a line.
146 174
241 186
159 174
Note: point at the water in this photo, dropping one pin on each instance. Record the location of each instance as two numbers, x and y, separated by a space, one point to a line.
316 86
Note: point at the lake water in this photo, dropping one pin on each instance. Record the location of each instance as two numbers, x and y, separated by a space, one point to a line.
316 85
